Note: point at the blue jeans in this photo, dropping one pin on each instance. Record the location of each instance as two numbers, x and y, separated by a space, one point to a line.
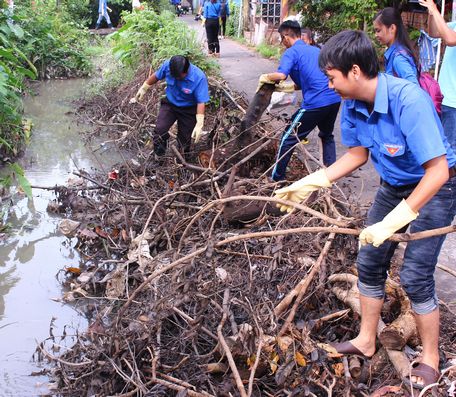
420 257
449 125
304 121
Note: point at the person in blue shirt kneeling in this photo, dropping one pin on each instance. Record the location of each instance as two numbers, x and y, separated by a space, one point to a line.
390 119
186 95
320 104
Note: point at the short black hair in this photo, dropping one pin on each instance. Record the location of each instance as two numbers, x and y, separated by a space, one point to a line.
290 27
348 48
178 65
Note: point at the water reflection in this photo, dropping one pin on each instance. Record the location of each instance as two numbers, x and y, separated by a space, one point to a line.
34 250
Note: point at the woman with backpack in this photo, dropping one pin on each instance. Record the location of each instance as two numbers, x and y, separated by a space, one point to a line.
224 14
400 58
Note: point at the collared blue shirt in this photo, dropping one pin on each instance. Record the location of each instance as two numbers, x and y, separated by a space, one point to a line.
300 62
189 91
399 63
211 10
402 132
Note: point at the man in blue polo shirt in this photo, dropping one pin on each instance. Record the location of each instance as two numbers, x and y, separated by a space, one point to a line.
320 104
186 95
390 119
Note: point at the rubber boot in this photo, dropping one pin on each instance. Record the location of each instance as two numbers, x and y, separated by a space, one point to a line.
97 26
110 26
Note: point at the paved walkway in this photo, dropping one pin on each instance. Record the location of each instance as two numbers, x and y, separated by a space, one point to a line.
241 68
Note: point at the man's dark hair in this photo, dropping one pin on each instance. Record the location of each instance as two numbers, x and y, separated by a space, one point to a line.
292 28
178 65
348 48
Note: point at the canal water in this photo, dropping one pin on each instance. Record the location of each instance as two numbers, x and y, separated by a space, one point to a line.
33 251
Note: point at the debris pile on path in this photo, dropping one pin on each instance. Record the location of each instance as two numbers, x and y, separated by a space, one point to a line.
204 288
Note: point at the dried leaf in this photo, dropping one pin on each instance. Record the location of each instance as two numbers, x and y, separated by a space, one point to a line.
300 360
67 226
383 391
143 318
171 184
73 270
251 361
124 235
137 182
332 352
273 362
284 342
215 368
88 234
338 369
101 232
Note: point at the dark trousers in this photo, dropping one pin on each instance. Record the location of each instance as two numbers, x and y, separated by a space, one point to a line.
223 26
212 28
168 114
302 124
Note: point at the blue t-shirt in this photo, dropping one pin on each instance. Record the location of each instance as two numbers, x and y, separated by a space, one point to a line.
399 63
402 133
189 91
447 77
211 10
300 62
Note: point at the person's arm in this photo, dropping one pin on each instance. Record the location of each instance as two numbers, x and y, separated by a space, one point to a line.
200 108
152 79
435 176
437 25
277 76
354 158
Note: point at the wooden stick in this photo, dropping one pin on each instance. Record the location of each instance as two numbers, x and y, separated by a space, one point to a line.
226 349
305 285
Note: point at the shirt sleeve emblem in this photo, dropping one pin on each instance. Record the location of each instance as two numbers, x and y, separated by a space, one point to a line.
186 90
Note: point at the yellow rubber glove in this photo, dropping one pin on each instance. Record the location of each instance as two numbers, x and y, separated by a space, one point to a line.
377 233
264 80
196 134
300 190
203 21
140 94
285 87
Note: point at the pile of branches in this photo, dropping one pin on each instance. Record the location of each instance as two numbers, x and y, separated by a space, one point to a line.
197 284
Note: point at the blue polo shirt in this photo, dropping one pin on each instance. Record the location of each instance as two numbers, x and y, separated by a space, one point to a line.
402 133
399 63
189 91
300 62
211 10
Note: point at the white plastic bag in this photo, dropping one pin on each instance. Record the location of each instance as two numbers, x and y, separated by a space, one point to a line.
281 99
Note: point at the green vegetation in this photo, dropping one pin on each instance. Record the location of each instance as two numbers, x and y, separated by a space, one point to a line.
37 41
269 51
328 17
148 37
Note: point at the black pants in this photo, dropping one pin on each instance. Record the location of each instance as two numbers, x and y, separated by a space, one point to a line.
223 26
168 114
212 28
305 121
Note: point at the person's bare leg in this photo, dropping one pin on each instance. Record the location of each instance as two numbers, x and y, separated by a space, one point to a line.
429 329
370 314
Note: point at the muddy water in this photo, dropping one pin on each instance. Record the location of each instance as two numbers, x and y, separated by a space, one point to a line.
35 250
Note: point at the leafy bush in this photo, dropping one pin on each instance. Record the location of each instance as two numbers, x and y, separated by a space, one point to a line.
14 69
150 37
328 17
53 41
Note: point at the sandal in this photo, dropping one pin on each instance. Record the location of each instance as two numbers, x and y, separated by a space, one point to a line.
348 348
428 374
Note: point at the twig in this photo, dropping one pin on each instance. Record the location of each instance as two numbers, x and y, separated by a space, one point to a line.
226 349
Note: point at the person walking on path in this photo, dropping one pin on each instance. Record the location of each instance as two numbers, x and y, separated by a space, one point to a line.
186 95
103 14
224 14
319 106
391 119
447 78
400 58
211 12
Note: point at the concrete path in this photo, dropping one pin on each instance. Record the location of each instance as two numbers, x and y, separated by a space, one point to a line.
241 68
